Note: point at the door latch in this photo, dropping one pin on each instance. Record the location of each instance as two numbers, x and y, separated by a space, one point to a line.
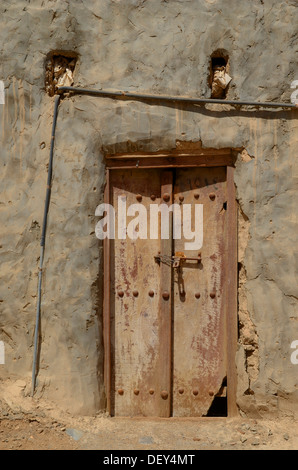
177 260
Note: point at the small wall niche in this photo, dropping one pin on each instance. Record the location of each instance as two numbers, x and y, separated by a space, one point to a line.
59 70
219 78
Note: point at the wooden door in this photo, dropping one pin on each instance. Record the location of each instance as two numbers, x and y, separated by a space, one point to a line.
140 317
199 352
166 318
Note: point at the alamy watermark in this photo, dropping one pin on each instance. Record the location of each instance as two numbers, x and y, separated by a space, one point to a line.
2 93
294 355
145 223
2 353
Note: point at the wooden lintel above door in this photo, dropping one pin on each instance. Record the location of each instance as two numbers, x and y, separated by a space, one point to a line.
171 159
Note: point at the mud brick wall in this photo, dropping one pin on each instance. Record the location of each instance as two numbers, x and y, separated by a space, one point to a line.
161 47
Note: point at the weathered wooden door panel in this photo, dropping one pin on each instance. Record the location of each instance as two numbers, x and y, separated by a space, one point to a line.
137 332
168 324
199 317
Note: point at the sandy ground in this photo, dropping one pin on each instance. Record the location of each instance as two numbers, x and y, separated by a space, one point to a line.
31 424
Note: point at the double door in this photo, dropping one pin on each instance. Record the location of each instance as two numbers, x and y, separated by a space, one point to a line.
168 291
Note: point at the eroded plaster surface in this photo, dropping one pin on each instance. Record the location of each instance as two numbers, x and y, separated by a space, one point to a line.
151 47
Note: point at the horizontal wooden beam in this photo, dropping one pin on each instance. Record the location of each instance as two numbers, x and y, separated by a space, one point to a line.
169 161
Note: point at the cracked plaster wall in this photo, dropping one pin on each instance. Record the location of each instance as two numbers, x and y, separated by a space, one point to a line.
153 47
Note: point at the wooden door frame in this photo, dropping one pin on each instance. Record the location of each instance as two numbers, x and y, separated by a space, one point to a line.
184 159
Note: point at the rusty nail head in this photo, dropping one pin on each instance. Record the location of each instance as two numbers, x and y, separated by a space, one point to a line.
197 295
120 391
151 293
195 392
136 391
211 393
164 395
196 195
181 391
181 198
139 197
212 196
151 391
165 295
153 197
212 295
135 293
121 293
166 197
